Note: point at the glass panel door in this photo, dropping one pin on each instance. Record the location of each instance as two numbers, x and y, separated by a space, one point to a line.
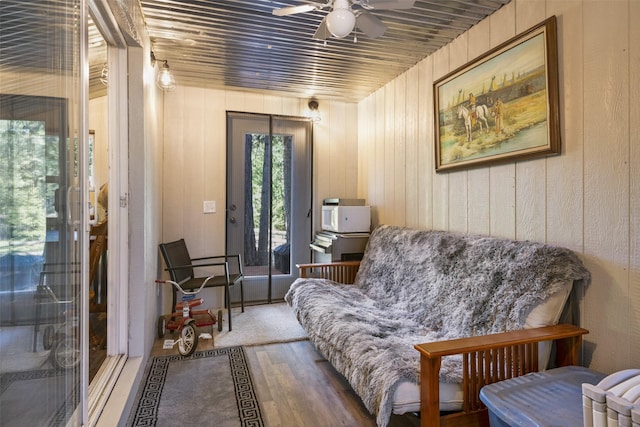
42 237
40 293
269 195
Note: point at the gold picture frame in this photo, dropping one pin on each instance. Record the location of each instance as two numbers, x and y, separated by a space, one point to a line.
501 106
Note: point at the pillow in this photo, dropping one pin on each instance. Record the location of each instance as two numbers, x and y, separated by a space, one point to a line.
546 314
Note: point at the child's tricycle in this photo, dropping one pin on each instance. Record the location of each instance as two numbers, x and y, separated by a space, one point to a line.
185 320
63 341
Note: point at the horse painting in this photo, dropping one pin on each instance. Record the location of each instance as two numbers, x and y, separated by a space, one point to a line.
482 112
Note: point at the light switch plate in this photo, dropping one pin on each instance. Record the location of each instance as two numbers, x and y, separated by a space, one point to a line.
209 206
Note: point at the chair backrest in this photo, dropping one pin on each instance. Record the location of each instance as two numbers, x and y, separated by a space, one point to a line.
176 254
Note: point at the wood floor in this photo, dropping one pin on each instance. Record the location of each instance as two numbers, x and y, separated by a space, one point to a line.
296 386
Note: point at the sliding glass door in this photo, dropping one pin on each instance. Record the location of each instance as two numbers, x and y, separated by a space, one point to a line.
43 238
268 199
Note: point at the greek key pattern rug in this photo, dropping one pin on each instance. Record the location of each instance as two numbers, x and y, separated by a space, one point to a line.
212 387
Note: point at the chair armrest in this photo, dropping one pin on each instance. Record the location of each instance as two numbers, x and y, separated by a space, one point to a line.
341 272
488 359
209 264
236 256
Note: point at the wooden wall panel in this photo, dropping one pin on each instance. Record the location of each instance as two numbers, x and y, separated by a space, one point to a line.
322 157
172 182
458 181
425 143
399 177
389 164
350 151
440 186
502 178
412 214
378 202
366 172
234 101
193 169
272 103
634 208
531 176
478 178
565 187
337 174
215 167
586 199
606 213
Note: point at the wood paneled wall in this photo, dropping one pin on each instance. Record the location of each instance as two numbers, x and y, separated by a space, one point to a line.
586 199
194 165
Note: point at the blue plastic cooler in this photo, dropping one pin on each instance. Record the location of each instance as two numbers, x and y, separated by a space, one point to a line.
552 398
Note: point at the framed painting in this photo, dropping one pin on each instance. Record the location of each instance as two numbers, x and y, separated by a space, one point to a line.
502 106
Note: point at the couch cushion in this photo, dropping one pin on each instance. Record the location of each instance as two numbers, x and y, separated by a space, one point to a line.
407 396
463 285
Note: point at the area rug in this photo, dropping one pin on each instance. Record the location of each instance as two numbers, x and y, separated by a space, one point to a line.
209 388
49 387
260 324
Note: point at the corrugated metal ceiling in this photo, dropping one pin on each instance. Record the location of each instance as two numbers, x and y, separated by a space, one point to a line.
240 44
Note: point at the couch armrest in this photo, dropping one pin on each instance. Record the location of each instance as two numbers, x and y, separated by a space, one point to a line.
341 272
488 359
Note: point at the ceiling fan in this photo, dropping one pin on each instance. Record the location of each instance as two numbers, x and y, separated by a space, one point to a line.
342 19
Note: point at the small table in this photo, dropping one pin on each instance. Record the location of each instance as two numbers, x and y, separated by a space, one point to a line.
549 398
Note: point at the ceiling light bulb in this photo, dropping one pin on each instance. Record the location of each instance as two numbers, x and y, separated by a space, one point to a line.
165 79
340 22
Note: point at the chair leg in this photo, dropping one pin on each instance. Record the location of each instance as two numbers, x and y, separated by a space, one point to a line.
227 303
36 327
242 295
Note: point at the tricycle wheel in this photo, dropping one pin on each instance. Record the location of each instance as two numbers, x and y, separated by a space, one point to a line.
65 354
162 326
48 337
219 320
188 340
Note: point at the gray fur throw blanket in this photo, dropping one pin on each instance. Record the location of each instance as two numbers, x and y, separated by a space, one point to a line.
417 286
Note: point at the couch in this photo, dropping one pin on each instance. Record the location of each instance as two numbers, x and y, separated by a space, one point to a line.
428 317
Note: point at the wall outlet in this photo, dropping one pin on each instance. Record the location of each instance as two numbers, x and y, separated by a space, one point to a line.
209 206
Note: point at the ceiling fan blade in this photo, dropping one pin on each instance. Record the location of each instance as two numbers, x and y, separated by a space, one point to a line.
370 25
291 10
387 4
322 32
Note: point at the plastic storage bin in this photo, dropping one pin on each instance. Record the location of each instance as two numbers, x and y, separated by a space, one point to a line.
550 398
